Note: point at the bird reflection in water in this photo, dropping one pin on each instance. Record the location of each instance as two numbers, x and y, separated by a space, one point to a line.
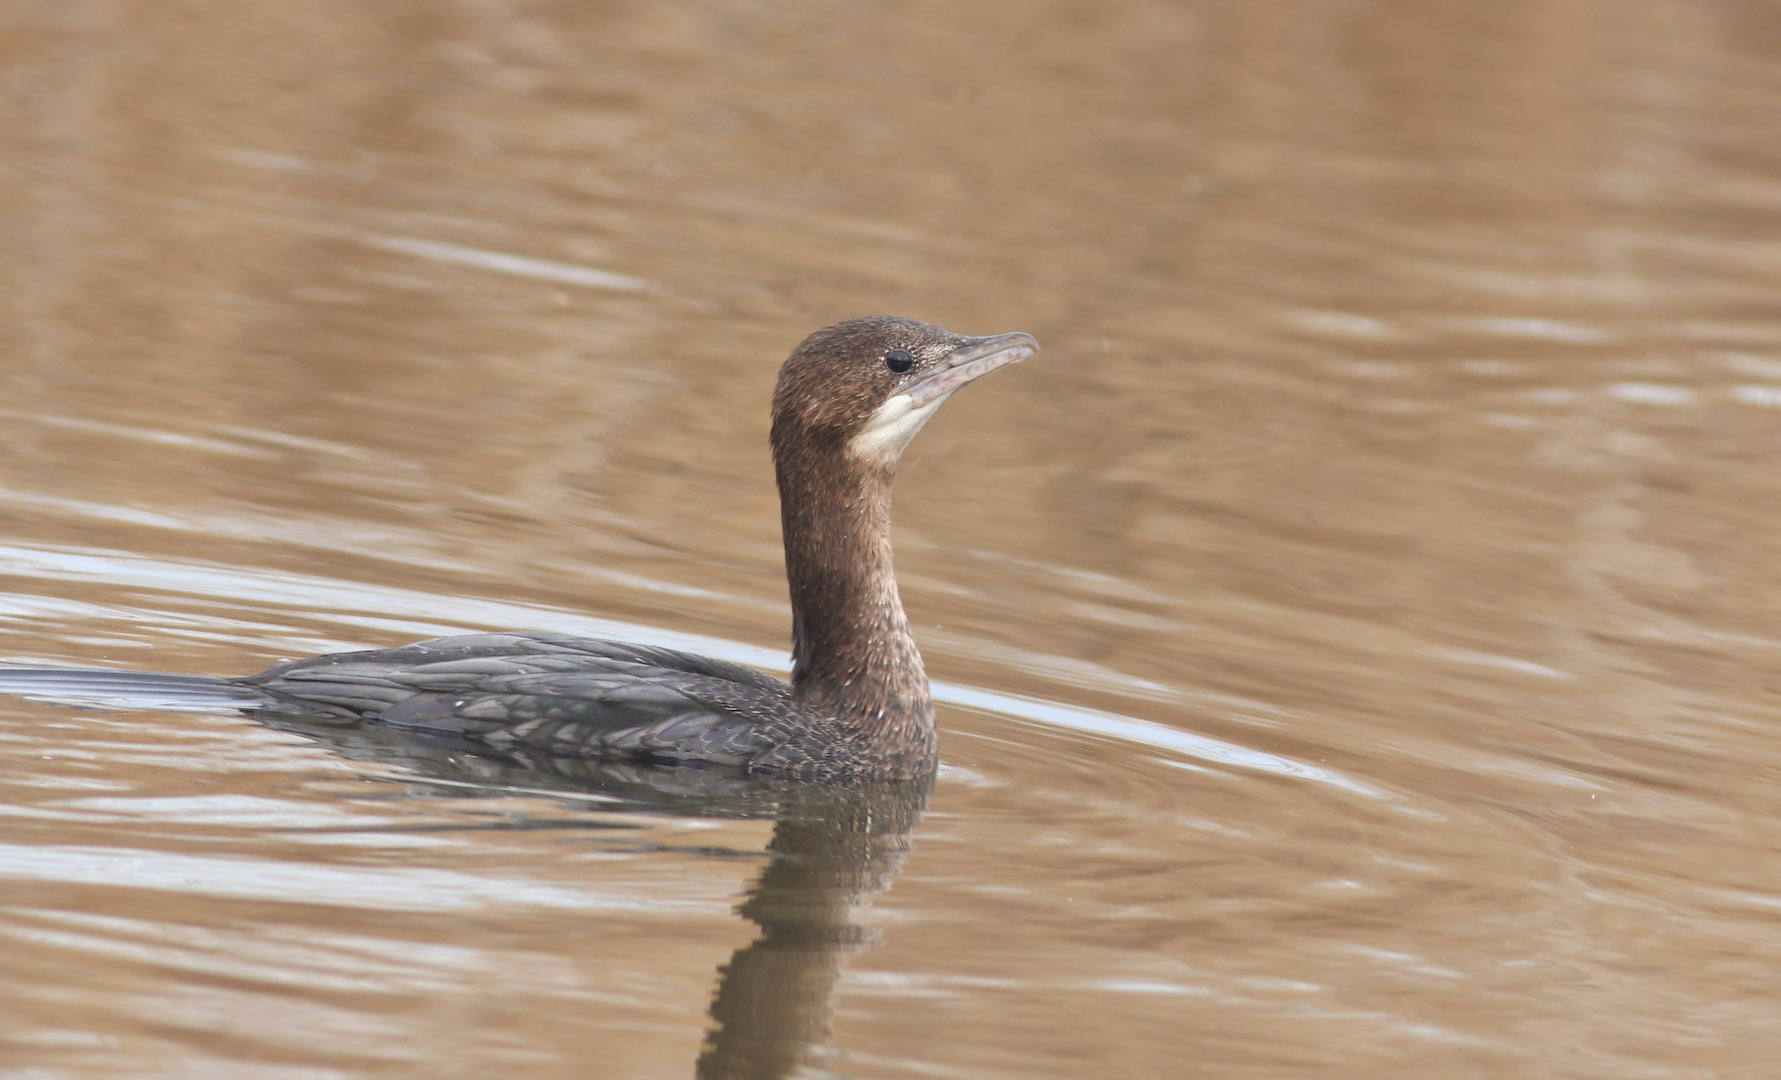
833 846
829 852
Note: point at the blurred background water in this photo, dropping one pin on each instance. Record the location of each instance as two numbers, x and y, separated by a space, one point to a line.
1356 633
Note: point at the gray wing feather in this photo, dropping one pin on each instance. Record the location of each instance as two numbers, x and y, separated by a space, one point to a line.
559 694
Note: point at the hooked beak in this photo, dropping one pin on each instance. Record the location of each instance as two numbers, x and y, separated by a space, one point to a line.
973 359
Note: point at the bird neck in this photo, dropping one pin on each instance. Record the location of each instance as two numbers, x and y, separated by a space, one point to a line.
853 655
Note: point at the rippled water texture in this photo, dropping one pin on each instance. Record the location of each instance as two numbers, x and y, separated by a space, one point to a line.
1358 633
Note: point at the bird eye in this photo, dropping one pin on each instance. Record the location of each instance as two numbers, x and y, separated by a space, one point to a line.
899 360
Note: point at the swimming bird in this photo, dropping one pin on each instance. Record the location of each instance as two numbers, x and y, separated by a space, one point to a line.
848 400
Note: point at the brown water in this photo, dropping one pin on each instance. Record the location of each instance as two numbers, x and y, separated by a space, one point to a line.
1359 633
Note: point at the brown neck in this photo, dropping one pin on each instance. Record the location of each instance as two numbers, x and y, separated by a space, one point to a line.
853 656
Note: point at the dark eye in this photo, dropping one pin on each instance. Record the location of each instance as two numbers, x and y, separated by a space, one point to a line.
899 360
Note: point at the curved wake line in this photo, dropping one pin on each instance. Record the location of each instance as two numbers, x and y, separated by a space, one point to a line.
426 614
110 688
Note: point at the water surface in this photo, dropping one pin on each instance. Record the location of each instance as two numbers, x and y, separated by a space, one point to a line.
1356 633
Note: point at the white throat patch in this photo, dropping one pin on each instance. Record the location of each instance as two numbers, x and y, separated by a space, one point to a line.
891 427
